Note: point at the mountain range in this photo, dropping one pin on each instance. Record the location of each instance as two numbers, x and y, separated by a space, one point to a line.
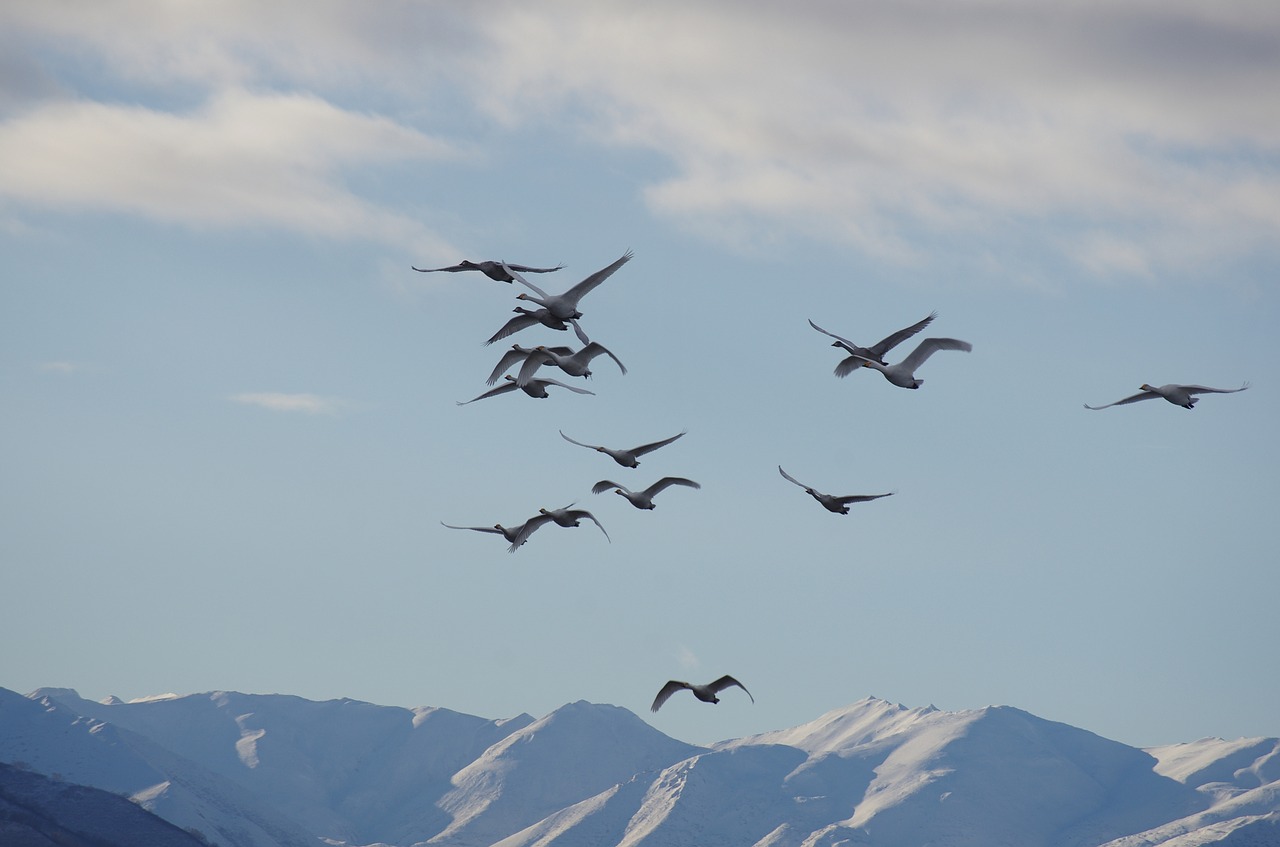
250 770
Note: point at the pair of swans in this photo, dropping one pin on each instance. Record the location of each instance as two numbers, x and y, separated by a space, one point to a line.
901 374
566 516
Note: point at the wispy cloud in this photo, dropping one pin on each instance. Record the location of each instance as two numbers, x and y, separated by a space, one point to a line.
242 159
311 404
686 658
59 367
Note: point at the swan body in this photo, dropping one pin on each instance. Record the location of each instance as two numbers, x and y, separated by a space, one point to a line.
706 693
643 499
497 271
903 374
565 306
1178 395
876 351
626 458
569 517
534 388
839 505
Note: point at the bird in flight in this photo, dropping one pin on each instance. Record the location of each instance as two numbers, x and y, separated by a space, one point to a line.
534 388
830 502
626 458
903 374
565 306
642 499
1178 395
876 351
706 693
497 271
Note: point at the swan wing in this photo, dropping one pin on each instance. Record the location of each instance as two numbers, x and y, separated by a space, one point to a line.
665 694
532 362
528 528
791 478
727 681
605 484
860 498
572 388
528 270
654 445
579 443
885 345
494 530
580 290
519 322
929 346
515 274
1141 395
509 358
492 392
583 513
668 481
1203 389
595 348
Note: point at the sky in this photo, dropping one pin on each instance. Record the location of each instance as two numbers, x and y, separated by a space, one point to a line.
230 434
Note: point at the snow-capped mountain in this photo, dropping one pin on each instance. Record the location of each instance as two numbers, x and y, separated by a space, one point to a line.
258 770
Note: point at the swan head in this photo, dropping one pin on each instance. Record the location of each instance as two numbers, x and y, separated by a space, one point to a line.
1145 387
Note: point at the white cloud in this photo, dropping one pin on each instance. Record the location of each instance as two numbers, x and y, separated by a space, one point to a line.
687 659
244 159
311 404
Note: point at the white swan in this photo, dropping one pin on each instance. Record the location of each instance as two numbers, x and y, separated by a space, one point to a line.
573 363
517 535
1178 395
516 354
626 458
565 306
903 374
643 499
706 693
497 271
534 388
831 503
529 317
876 351
569 516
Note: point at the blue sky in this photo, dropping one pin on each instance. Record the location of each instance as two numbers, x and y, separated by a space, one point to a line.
230 432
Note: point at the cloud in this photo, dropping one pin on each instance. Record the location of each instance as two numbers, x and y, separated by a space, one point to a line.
243 159
310 404
686 658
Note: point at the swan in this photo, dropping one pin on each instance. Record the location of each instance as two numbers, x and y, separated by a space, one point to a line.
831 503
1178 395
534 388
706 693
517 535
528 317
516 354
572 363
497 271
876 351
643 499
626 458
565 306
903 373
569 516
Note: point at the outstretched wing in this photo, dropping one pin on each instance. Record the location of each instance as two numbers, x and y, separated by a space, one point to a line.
580 290
1141 395
450 269
509 358
494 530
573 388
665 694
860 498
668 481
527 529
654 445
605 484
727 681
929 346
528 270
519 322
1202 389
885 345
791 478
595 348
583 513
535 360
515 274
492 392
579 443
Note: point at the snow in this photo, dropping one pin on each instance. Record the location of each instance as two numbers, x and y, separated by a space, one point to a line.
258 770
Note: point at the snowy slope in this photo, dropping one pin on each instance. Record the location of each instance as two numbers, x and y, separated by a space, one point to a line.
873 774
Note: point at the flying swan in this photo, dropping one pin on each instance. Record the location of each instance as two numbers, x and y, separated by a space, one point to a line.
1178 395
706 693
